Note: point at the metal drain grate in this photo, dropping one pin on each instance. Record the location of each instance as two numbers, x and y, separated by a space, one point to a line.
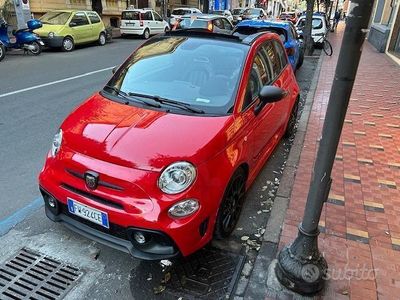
35 276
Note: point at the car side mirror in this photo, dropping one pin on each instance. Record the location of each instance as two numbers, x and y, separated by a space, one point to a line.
72 24
269 94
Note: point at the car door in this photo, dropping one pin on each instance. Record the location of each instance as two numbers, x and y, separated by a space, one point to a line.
260 125
80 27
158 23
97 25
149 21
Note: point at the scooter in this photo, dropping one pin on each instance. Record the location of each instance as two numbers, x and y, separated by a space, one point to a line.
23 38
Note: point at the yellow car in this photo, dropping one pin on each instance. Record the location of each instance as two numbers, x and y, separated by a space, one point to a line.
66 28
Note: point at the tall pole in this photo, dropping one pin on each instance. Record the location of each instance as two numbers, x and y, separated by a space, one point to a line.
301 267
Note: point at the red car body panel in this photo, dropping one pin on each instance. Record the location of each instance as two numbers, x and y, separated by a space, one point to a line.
130 146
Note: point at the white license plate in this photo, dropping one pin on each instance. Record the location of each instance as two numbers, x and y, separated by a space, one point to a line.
88 213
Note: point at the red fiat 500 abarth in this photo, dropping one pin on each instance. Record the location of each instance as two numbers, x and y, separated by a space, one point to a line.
158 162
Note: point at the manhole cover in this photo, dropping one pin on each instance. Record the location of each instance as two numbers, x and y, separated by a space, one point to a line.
35 276
207 274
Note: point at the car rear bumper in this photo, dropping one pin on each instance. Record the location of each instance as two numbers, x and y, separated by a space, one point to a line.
135 31
55 42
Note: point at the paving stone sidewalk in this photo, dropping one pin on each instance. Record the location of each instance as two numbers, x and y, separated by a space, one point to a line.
360 223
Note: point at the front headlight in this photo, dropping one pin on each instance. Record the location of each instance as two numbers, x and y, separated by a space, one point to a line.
55 146
51 35
184 208
177 177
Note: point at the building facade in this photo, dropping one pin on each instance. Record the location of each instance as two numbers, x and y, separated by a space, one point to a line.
384 32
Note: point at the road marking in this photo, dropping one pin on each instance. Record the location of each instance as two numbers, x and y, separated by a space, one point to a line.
55 82
8 223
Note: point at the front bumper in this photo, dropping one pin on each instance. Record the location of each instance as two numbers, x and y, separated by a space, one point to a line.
159 246
55 42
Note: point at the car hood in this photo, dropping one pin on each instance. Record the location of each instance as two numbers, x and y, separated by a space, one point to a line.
46 28
142 138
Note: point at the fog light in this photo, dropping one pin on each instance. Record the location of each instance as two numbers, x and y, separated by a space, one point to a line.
139 237
52 202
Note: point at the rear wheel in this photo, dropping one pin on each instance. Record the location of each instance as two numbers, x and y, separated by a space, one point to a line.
291 126
231 205
300 62
2 52
327 47
36 48
146 33
68 44
102 39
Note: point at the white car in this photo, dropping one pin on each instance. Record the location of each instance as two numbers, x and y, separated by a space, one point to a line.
319 27
226 13
179 12
144 22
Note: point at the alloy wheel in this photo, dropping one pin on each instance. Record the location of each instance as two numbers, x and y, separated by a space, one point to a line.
68 44
102 39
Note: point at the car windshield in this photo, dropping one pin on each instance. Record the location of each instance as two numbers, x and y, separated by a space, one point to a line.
130 15
252 11
203 73
237 11
55 17
316 23
181 12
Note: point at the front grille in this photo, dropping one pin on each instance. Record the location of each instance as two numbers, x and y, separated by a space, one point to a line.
98 199
115 230
101 182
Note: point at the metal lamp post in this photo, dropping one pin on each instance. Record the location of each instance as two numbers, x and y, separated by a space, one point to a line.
301 267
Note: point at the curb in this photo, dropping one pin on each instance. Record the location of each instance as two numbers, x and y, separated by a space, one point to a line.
257 286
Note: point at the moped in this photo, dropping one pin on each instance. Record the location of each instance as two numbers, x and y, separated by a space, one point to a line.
23 38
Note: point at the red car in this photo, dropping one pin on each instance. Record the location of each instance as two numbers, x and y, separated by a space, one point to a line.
158 162
289 16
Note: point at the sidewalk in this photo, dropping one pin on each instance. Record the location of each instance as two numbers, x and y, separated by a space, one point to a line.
360 223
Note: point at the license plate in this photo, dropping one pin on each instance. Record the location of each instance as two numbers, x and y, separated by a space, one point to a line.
88 213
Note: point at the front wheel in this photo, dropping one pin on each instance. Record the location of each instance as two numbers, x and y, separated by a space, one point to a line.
35 48
327 47
68 44
231 205
2 52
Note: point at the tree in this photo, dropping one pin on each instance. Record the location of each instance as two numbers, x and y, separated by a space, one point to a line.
308 40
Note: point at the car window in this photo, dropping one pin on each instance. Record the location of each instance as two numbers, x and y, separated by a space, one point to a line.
148 16
274 58
316 23
157 17
218 23
281 54
80 19
227 24
55 18
93 17
259 76
130 15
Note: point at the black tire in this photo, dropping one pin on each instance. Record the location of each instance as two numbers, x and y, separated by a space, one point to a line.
231 205
301 59
146 34
327 47
37 50
291 126
67 44
102 39
2 52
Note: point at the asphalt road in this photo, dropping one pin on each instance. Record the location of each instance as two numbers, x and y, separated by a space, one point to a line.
28 121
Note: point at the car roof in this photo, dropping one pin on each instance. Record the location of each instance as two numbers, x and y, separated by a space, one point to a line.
70 10
139 9
185 8
264 23
203 16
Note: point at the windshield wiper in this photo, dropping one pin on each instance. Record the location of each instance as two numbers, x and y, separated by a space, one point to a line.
127 97
178 104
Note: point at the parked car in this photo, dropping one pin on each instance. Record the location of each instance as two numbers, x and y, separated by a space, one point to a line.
319 27
177 13
254 14
237 14
213 23
288 35
158 162
66 28
289 16
144 22
226 13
